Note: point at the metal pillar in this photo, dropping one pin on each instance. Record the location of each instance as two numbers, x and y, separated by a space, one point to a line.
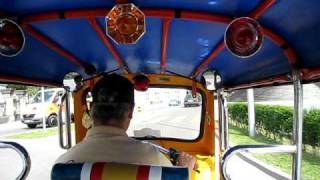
251 113
297 126
43 110
223 121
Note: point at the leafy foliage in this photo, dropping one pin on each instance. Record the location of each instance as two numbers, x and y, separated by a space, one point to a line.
277 121
31 90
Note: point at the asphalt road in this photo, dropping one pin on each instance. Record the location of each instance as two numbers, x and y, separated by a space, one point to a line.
14 128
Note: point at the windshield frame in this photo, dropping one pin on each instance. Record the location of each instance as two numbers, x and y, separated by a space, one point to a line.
54 92
202 118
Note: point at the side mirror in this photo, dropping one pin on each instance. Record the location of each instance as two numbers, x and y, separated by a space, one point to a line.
73 81
211 80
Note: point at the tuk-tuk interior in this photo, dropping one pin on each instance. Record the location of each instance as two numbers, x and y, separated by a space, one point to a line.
179 42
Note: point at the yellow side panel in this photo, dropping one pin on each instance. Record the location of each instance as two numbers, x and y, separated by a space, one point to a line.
206 168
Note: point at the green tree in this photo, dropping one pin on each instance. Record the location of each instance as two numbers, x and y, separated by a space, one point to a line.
31 90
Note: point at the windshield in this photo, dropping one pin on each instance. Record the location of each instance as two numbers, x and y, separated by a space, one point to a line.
47 96
164 113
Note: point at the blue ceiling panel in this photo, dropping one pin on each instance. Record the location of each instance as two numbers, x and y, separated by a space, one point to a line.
78 37
226 7
298 22
37 61
23 7
190 42
269 61
144 56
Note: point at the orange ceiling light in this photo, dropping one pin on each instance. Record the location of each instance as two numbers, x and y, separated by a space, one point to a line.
125 24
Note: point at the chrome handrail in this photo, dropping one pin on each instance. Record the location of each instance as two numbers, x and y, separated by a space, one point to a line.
22 153
67 144
262 149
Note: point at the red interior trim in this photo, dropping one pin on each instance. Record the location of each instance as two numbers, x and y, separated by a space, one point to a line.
205 17
40 17
309 74
122 1
21 80
263 7
86 13
209 59
93 22
278 40
163 13
279 79
165 34
54 46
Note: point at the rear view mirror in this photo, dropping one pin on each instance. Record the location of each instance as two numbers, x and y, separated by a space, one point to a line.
73 81
211 80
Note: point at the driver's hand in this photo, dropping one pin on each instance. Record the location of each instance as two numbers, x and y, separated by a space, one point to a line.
186 160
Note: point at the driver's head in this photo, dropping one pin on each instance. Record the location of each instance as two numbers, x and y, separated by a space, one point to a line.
113 101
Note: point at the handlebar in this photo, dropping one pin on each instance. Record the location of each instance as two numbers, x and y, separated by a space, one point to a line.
22 153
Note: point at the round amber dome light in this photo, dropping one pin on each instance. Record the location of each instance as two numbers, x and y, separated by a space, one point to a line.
125 24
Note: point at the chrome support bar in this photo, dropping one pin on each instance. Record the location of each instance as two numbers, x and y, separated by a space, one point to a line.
297 125
262 149
223 121
66 99
22 153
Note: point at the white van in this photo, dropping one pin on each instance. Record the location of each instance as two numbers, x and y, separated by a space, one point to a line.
35 110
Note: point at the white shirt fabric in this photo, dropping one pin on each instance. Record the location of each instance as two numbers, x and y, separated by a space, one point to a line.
111 144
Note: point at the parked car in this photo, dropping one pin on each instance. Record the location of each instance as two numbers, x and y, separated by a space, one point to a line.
190 101
174 102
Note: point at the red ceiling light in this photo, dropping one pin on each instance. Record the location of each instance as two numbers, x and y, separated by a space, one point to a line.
141 82
125 24
12 38
243 37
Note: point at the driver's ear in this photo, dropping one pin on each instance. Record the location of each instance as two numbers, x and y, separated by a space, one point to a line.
130 113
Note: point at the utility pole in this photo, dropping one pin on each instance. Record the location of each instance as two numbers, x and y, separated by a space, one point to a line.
43 109
251 113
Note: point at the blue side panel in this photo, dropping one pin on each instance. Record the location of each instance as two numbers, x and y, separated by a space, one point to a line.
227 7
269 61
144 56
78 37
297 21
37 61
190 42
174 173
66 171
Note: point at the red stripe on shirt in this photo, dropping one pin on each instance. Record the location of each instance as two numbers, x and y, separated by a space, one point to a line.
96 172
143 173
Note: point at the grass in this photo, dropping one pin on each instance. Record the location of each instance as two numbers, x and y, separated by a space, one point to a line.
35 134
38 134
310 162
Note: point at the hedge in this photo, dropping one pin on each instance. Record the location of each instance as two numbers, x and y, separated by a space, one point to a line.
277 121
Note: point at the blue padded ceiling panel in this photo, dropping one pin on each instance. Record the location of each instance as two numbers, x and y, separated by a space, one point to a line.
190 42
78 37
298 22
269 61
144 56
37 61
